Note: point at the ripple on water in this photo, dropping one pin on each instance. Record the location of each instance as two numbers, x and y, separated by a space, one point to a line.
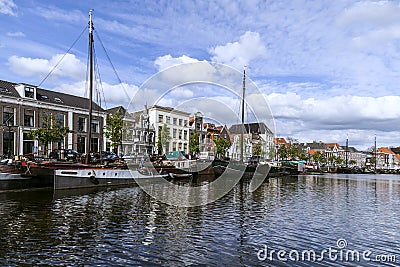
128 227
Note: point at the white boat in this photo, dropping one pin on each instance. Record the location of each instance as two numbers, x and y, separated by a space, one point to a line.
85 178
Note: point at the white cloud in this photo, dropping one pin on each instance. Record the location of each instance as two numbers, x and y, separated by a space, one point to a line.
8 7
16 34
110 95
370 12
70 66
240 53
336 113
167 61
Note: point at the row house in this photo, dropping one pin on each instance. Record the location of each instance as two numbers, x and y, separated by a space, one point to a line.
196 124
137 133
336 150
177 123
385 158
253 134
22 107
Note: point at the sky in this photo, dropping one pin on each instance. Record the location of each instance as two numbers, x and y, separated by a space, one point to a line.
328 70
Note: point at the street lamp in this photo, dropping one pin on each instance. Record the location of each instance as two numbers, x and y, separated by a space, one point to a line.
9 124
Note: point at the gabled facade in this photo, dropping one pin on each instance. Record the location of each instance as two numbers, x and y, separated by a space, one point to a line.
254 134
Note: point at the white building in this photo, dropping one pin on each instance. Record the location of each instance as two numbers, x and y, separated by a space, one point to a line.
177 123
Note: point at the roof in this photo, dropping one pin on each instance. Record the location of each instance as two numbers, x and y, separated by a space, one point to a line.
49 96
332 145
315 145
121 110
8 89
259 128
169 109
280 141
385 150
65 99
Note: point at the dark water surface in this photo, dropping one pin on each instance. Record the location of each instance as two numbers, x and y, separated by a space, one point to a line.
125 226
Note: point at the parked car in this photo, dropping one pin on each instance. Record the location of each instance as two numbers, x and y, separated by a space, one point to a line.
70 154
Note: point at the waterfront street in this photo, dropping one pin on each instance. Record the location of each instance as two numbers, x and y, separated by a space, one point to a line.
346 213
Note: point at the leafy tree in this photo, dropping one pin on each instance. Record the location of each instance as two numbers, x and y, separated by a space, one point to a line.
163 139
51 131
257 150
159 146
194 146
319 157
221 145
113 129
352 162
283 152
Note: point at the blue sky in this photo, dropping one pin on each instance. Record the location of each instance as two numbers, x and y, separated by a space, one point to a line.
327 69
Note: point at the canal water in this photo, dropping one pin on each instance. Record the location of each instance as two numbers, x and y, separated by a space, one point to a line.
327 220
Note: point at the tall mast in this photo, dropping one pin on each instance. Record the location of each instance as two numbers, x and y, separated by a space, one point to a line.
347 150
89 124
243 95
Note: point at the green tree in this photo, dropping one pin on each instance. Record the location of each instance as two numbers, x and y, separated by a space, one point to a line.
51 131
113 130
283 152
319 157
194 146
352 162
221 145
163 139
257 150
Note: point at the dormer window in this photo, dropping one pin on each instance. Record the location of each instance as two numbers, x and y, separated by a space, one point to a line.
44 97
57 99
29 92
3 90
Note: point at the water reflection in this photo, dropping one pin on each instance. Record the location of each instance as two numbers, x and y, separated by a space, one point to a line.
126 226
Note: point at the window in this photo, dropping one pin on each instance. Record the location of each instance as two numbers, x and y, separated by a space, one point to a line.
81 144
28 144
94 145
28 117
29 92
3 90
160 118
180 122
81 124
8 116
185 123
167 119
174 121
174 133
60 119
174 146
57 99
95 125
185 147
180 134
8 143
185 134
